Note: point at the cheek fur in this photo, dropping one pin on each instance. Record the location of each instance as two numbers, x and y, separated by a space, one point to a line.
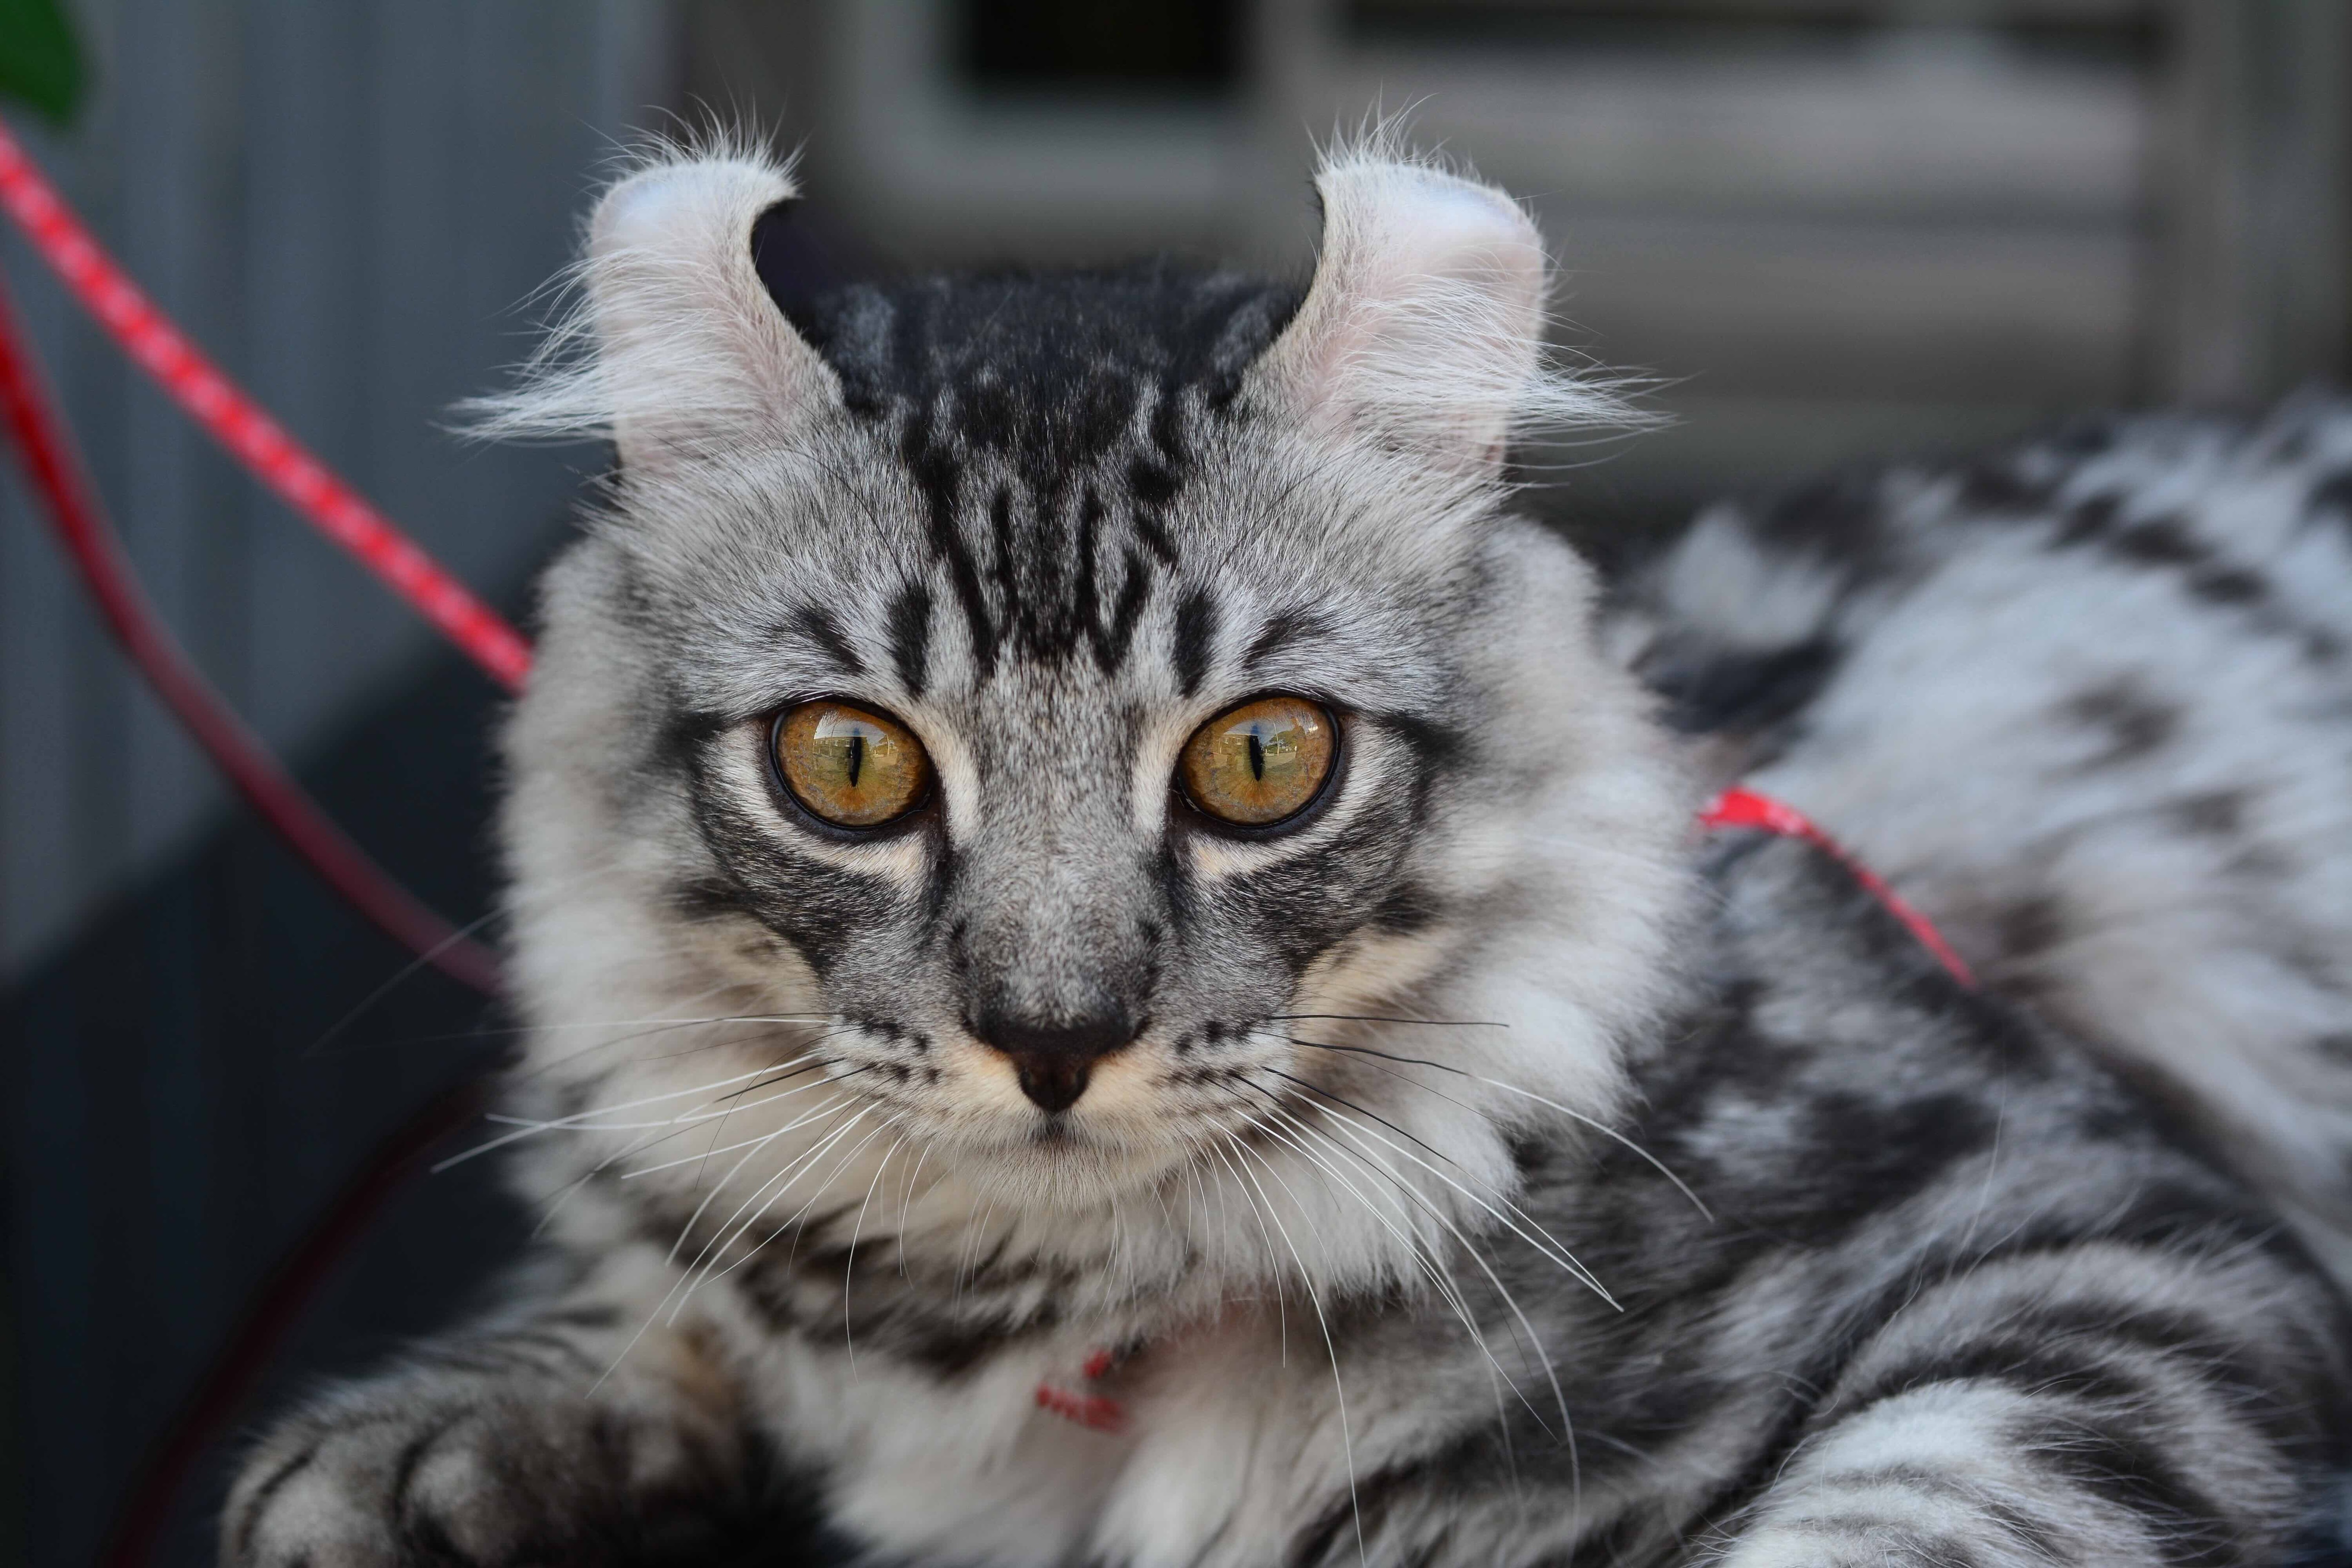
958 776
1371 971
1157 748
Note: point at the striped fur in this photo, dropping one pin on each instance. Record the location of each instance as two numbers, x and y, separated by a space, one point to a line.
1497 1172
2090 702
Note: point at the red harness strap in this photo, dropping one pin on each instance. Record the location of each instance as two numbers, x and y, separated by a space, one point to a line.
1737 808
1086 1409
1734 807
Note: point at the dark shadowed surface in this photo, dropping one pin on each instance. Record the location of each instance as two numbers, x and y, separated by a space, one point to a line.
176 1120
214 1108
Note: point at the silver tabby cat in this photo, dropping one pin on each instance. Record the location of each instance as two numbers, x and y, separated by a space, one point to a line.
1119 969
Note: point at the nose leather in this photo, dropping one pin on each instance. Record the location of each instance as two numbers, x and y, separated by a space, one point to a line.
1054 1061
1054 1083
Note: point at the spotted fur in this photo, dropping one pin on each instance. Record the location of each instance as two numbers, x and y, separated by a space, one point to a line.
1489 1168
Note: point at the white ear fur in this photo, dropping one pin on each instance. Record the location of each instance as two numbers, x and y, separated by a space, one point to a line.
675 343
1423 326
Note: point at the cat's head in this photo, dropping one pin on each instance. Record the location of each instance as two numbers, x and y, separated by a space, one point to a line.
1045 704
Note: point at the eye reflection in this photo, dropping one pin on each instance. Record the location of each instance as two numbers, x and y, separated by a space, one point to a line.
1256 764
849 765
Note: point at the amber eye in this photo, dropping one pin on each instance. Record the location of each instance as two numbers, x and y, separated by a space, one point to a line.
849 765
1259 762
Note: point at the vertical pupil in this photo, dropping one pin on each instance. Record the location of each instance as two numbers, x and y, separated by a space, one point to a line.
1257 755
857 757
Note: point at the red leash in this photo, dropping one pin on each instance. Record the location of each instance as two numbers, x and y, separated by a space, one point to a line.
55 469
252 436
1735 808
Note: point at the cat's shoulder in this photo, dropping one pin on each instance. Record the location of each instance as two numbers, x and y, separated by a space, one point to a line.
1827 1066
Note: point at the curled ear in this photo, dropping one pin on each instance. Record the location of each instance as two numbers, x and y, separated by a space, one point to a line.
1423 326
675 345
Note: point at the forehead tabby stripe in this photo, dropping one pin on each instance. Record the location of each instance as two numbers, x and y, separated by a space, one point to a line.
1111 646
1196 630
1285 626
936 475
815 625
911 637
1040 614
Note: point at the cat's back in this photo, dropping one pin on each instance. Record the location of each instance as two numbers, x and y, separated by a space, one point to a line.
2089 704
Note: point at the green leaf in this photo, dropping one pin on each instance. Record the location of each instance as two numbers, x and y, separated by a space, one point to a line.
40 64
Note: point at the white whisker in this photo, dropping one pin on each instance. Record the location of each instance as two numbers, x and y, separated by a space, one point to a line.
1535 1340
526 1127
1314 1297
849 1263
758 1141
906 1203
1424 1255
707 1266
1274 1266
1549 1246
1603 1127
654 1316
724 1181
1534 1348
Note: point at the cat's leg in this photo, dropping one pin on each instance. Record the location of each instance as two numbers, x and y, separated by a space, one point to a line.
2103 1406
557 1434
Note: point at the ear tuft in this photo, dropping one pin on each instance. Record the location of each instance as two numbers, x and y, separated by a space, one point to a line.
1424 325
672 343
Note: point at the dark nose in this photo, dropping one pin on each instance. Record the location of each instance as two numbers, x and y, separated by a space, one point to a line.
1053 1059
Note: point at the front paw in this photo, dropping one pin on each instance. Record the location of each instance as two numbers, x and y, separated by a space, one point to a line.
489 1478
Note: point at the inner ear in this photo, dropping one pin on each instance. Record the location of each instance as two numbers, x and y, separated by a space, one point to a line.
797 264
692 352
1423 326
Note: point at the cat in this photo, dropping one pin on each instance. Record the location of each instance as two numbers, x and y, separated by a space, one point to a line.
1120 969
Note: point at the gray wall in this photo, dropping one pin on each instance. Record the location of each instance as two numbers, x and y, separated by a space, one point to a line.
345 204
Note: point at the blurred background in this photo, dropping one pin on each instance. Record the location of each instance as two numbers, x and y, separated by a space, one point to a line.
1834 230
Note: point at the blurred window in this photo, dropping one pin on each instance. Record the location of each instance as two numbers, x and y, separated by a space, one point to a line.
1824 228
2109 27
1084 46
